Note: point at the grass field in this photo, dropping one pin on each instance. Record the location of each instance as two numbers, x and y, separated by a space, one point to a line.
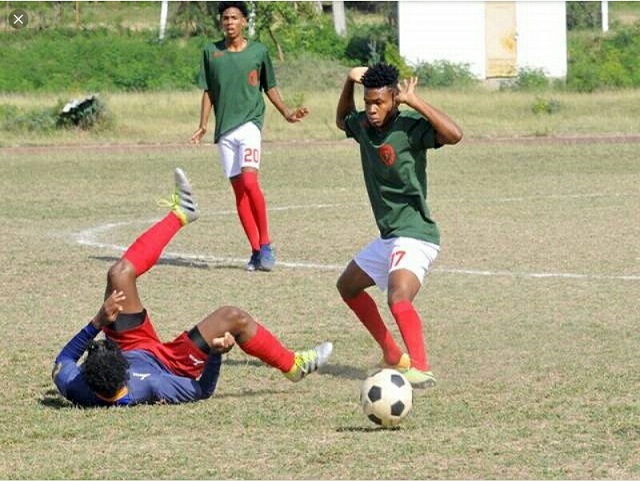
531 311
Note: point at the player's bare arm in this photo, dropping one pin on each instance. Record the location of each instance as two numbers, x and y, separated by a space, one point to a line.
109 310
346 103
447 131
205 112
273 94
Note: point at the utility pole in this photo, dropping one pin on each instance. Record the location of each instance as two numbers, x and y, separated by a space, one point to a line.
339 21
164 9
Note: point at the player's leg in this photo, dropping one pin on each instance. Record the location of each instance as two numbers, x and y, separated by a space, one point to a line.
147 248
410 261
231 157
250 139
351 286
257 341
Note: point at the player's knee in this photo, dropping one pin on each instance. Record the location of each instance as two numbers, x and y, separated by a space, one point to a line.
119 272
393 297
344 288
238 320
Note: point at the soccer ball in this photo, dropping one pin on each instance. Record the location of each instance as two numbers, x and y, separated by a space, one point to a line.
386 397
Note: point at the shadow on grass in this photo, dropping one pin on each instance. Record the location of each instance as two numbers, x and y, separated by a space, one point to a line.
372 429
248 392
344 372
335 370
52 399
179 262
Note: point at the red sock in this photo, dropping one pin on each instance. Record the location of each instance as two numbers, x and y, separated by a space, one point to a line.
365 308
410 327
266 347
243 205
258 205
146 249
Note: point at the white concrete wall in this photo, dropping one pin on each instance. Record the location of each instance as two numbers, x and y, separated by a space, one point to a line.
455 31
542 36
446 30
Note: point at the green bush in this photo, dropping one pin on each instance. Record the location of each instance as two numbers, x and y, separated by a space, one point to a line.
367 44
545 106
601 61
581 15
97 60
442 73
392 57
531 79
13 119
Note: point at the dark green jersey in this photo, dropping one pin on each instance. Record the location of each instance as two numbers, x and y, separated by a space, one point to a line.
394 163
235 81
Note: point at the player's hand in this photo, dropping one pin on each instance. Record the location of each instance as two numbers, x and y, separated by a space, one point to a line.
356 73
110 309
223 344
197 136
297 115
406 90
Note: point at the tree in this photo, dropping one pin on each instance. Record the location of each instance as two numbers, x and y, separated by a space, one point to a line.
274 18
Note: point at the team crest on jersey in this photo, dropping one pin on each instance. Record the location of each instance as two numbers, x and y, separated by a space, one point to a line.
218 54
253 78
387 154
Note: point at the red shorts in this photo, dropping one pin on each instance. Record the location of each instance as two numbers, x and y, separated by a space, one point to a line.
181 356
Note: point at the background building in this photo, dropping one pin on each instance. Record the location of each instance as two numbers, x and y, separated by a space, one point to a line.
496 39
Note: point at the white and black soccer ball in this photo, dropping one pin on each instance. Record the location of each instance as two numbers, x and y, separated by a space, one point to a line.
386 397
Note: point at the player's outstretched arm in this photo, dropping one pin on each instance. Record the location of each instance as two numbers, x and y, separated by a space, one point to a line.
273 94
447 131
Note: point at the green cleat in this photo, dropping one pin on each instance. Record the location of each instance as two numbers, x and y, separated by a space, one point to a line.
309 361
420 379
182 202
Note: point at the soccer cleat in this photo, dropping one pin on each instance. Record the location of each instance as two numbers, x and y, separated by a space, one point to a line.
254 262
402 365
182 202
309 361
267 258
420 379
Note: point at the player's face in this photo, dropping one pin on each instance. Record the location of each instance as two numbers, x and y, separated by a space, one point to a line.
379 105
233 22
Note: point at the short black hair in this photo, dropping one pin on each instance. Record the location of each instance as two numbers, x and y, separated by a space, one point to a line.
380 75
105 368
242 6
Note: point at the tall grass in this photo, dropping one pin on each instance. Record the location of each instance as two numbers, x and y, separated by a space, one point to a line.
172 117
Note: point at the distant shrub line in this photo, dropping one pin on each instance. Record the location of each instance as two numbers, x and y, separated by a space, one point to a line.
101 60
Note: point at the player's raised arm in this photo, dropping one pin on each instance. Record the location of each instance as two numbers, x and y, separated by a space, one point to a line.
346 103
447 131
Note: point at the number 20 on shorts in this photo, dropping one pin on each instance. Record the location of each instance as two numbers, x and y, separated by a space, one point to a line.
251 156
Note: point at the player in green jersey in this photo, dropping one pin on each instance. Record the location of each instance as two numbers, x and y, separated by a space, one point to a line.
233 74
393 149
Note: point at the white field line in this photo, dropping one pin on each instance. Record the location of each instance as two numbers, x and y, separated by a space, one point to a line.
90 237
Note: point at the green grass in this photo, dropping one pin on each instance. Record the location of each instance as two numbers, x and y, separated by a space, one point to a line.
529 314
172 117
